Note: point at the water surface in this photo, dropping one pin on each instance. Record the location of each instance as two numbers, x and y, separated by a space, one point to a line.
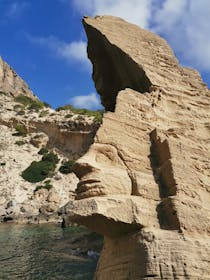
46 252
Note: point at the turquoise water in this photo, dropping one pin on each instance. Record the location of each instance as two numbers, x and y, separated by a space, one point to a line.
46 252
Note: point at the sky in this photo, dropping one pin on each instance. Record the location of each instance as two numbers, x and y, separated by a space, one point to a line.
44 41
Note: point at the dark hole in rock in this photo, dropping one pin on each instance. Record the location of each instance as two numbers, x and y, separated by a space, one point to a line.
7 219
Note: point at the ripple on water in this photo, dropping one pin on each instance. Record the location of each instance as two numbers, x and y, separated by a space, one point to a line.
46 252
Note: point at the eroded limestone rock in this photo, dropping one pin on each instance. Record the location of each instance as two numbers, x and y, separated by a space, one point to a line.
11 83
145 181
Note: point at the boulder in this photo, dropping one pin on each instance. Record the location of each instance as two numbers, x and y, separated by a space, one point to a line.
39 140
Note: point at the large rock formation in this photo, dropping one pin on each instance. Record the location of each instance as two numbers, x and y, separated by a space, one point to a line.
145 181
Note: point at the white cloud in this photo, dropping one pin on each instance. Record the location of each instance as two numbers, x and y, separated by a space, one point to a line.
74 50
185 23
135 11
170 14
71 52
90 101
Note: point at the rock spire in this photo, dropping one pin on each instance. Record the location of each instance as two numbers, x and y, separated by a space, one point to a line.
145 181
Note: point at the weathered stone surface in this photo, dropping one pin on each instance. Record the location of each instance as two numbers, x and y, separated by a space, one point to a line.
39 140
66 133
11 83
145 181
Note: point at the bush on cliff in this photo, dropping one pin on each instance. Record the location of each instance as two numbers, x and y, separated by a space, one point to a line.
43 151
21 130
31 104
40 170
98 114
50 157
66 166
46 186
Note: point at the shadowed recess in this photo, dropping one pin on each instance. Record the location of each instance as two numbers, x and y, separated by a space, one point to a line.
113 69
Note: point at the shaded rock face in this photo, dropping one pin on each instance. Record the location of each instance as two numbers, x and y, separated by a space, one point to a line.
145 181
109 71
11 83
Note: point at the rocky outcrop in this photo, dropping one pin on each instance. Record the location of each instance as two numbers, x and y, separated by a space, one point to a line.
65 133
145 181
69 133
11 83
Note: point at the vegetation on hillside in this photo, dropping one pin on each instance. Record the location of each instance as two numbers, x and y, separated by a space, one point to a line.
40 170
46 186
31 104
43 151
66 166
20 143
98 114
21 130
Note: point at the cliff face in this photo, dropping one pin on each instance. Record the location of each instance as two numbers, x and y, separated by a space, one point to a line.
145 181
24 130
11 83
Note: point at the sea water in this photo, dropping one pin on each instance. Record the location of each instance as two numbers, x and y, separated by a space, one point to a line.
46 252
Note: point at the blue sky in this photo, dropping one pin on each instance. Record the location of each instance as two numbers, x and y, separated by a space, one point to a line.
44 41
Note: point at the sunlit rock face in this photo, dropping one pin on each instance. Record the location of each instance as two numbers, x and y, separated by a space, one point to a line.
64 132
145 181
11 83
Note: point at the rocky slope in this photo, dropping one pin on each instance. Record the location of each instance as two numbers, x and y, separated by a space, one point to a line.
145 181
26 126
11 83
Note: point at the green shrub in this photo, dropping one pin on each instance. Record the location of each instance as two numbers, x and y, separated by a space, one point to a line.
50 157
65 107
46 186
23 99
31 104
43 151
21 130
40 170
98 114
80 118
20 143
66 166
36 105
47 105
68 116
43 113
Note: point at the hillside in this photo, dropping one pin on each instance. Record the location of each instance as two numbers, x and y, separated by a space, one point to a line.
27 126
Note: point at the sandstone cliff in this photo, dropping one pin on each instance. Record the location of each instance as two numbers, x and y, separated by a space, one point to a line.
11 83
145 181
26 126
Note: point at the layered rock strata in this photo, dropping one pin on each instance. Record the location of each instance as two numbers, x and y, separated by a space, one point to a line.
69 133
145 181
